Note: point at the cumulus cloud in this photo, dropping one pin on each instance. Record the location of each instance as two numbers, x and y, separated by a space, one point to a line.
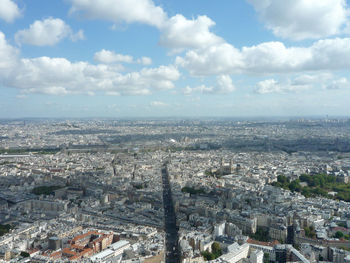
161 78
77 36
179 33
223 85
59 76
303 19
269 86
308 79
302 82
107 57
8 55
129 11
47 32
218 59
145 61
110 57
9 10
268 58
273 86
209 54
200 89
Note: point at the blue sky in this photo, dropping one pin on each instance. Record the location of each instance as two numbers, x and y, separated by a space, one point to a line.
144 58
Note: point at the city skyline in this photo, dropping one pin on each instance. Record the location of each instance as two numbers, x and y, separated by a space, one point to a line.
144 58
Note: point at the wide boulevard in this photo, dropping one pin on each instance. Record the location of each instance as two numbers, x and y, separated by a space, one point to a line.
172 250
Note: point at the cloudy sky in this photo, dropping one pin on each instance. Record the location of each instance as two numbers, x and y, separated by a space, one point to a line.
154 58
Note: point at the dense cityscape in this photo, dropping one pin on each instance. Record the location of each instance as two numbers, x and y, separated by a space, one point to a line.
169 190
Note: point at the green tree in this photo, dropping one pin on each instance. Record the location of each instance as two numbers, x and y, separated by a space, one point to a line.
4 229
283 179
25 254
295 186
305 178
207 255
266 257
310 232
261 234
339 234
216 249
216 252
317 185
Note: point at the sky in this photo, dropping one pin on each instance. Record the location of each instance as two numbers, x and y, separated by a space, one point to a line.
173 58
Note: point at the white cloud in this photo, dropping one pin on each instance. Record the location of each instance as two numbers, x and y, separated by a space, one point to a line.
200 89
129 11
187 90
297 19
215 60
268 58
268 86
107 57
48 91
47 32
179 33
307 79
158 104
9 10
301 83
145 61
223 85
110 57
161 78
59 76
8 55
273 86
78 36
303 19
